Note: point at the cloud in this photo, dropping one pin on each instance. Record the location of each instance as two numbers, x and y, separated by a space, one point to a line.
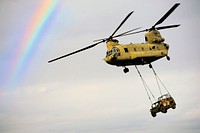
84 94
193 115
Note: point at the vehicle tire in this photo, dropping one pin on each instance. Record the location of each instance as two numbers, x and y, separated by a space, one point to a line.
173 107
165 111
153 114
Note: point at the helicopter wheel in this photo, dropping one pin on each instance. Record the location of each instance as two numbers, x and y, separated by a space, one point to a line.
168 58
126 70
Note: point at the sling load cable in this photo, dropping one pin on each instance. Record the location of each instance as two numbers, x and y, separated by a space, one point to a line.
159 88
159 80
145 86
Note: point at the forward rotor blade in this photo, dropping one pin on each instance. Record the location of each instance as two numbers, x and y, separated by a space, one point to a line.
116 29
121 24
88 47
100 40
167 14
167 27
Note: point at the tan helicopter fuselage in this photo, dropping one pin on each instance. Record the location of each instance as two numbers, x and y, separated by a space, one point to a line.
137 54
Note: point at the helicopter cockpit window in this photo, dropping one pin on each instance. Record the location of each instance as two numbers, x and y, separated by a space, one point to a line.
112 51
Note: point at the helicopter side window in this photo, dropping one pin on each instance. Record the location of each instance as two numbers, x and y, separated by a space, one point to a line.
146 39
126 50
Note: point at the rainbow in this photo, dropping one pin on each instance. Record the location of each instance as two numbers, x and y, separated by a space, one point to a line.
31 38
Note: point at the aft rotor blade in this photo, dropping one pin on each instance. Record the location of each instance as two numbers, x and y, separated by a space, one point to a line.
158 28
88 47
133 33
167 27
118 34
167 14
124 33
121 24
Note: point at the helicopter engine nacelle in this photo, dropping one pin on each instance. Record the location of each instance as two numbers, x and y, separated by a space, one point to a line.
111 43
153 36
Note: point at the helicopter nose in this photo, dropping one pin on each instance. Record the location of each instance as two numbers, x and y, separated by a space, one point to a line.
106 59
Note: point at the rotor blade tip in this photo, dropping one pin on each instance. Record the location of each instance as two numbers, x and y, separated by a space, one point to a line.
49 61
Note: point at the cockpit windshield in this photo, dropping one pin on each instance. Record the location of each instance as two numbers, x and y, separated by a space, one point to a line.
112 51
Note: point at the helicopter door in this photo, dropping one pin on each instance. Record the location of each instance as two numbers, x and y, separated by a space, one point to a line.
126 53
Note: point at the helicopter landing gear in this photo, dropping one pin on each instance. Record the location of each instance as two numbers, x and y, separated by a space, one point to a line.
126 70
168 58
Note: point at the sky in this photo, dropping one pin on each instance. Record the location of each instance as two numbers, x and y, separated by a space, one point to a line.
81 93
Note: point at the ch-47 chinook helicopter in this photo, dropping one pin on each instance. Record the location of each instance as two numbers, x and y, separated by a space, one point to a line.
134 54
